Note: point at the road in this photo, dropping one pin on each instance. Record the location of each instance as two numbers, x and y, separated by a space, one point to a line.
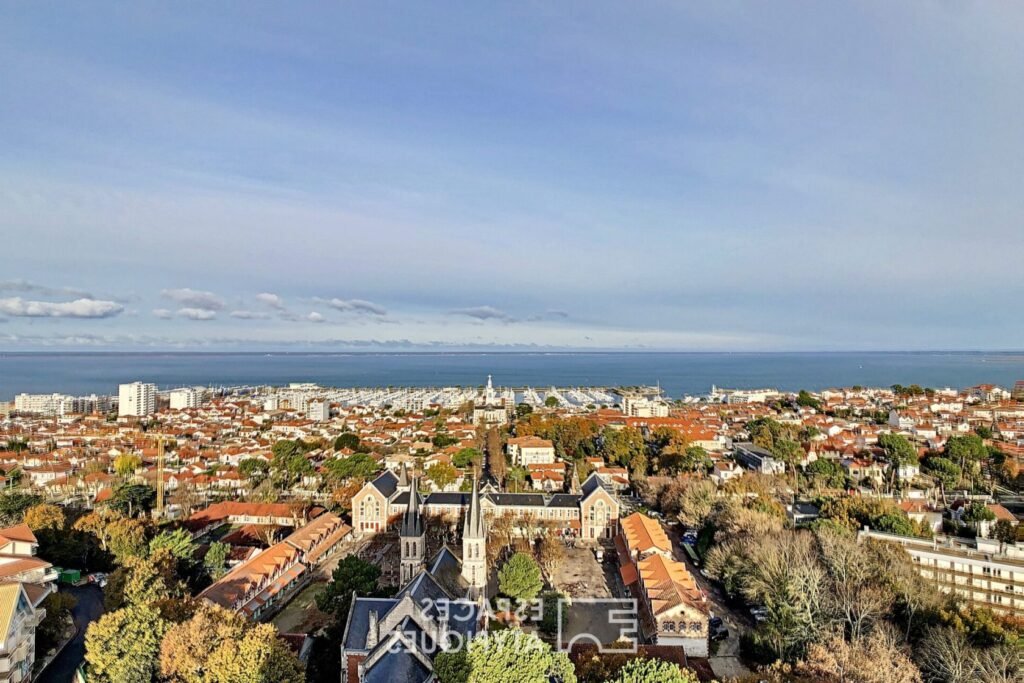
88 609
726 662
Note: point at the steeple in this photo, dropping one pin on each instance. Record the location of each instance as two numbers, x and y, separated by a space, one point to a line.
412 537
474 517
403 477
474 552
412 522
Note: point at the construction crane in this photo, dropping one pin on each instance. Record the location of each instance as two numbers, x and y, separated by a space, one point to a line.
160 477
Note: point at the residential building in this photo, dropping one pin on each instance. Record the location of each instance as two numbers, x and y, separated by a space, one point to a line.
183 399
524 451
318 411
641 406
18 622
137 399
758 459
983 573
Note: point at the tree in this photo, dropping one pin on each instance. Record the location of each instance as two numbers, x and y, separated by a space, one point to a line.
550 402
452 667
258 657
520 577
641 670
977 512
1004 531
945 470
496 462
123 646
361 465
45 516
126 464
806 400
967 450
466 457
216 559
442 474
347 440
188 646
178 543
551 613
516 477
14 504
523 409
58 608
695 503
877 658
945 655
550 552
897 448
126 538
351 574
253 469
508 656
133 499
827 473
624 447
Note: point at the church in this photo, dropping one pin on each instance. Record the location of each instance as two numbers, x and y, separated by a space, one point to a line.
590 512
439 606
440 603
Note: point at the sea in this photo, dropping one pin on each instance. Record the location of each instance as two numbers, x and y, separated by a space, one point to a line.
678 374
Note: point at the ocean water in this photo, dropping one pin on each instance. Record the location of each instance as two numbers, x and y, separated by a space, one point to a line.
678 373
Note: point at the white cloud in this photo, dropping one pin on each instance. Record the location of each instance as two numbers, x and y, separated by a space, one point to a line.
355 306
249 315
272 300
192 298
163 313
315 317
196 314
31 287
79 308
484 313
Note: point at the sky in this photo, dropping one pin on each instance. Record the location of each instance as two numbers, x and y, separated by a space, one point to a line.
570 175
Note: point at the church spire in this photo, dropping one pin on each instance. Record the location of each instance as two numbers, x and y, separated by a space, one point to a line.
412 521
474 517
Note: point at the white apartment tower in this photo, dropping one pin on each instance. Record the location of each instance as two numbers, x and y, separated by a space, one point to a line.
136 399
182 399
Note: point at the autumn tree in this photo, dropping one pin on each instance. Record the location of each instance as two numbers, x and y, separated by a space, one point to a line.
258 657
126 538
188 646
877 658
126 464
123 646
45 516
550 552
442 474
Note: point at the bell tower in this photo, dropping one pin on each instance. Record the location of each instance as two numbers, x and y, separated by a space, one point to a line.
474 538
412 537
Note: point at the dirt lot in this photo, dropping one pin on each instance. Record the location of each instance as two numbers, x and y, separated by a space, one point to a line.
581 575
300 615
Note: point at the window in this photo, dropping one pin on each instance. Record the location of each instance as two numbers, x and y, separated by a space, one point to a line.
668 626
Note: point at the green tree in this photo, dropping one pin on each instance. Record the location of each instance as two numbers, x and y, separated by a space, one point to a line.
178 543
127 538
253 469
642 670
520 577
523 409
356 465
133 499
897 448
806 400
965 450
625 447
515 477
14 504
347 440
258 657
127 464
828 473
511 656
466 457
351 574
216 559
550 402
943 469
452 667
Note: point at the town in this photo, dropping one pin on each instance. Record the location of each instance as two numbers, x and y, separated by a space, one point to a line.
309 533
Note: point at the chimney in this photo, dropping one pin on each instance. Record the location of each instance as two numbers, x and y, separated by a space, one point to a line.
372 631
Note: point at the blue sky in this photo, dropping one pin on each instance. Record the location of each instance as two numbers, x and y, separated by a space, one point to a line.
669 175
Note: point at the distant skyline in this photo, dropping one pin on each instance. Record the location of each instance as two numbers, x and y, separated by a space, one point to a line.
405 176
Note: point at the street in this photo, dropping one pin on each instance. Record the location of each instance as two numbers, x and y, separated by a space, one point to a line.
88 609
